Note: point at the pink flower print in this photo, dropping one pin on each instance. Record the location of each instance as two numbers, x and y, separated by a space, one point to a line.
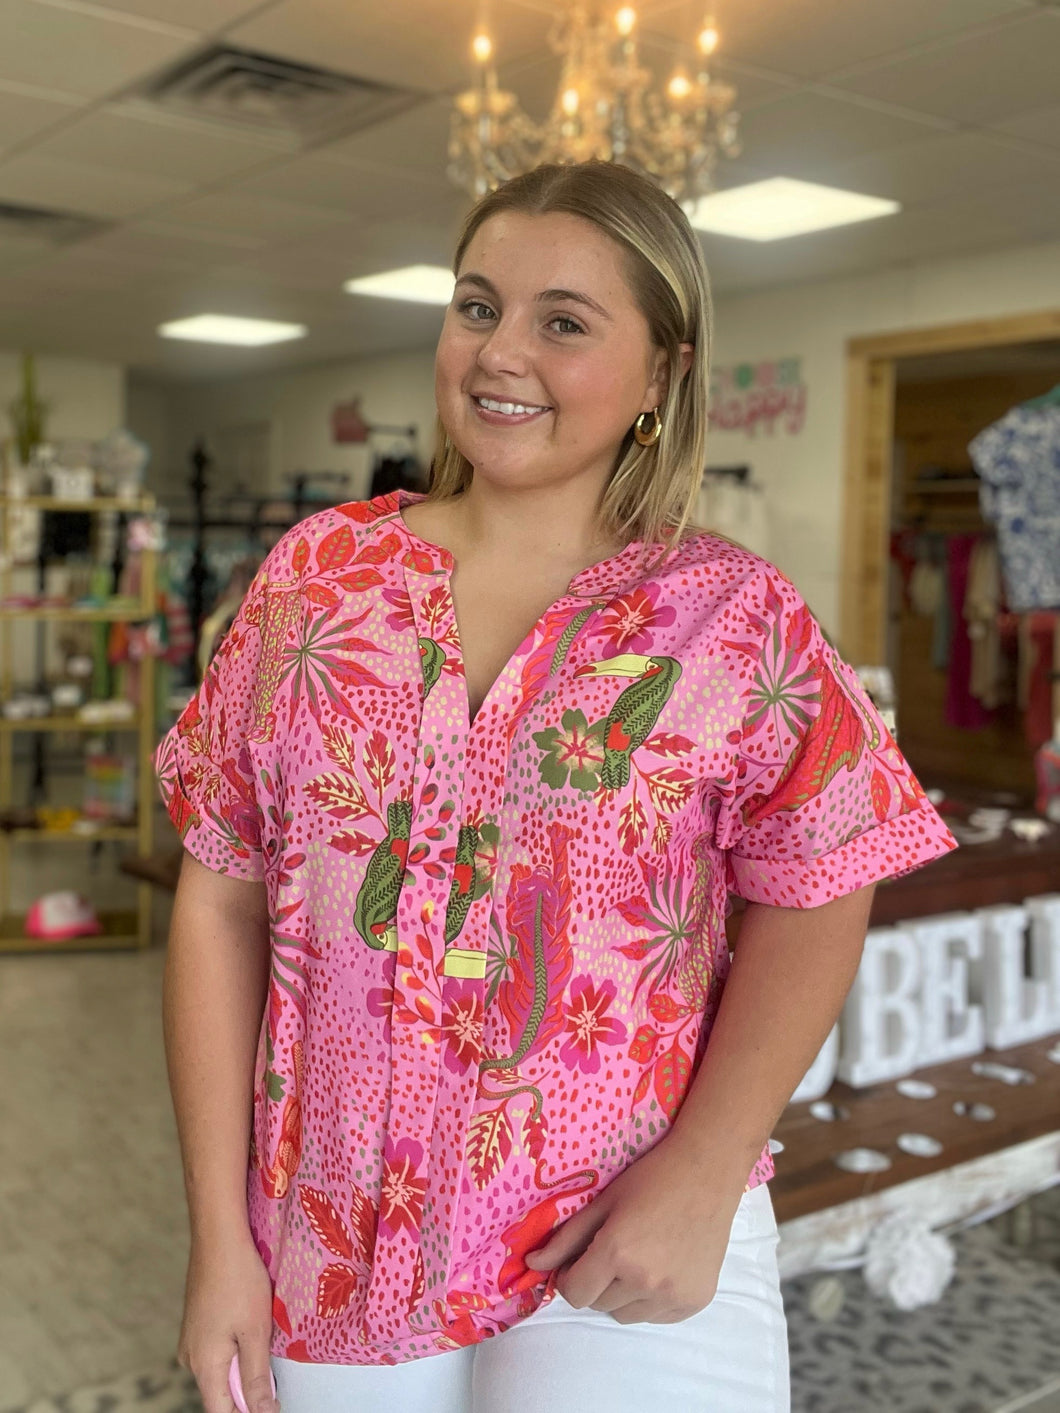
462 1030
628 620
402 1196
588 1026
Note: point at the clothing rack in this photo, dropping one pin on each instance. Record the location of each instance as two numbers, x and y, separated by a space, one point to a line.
742 474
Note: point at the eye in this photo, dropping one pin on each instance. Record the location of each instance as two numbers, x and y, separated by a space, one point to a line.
573 327
470 305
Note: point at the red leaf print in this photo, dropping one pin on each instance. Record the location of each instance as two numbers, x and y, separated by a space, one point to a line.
322 595
535 1133
363 1216
326 1221
280 1316
881 794
352 674
643 1044
335 549
378 757
632 826
665 1008
489 1145
360 579
637 951
419 560
642 1087
634 910
379 553
672 1070
301 555
353 842
299 1352
668 743
340 795
670 788
335 1290
435 870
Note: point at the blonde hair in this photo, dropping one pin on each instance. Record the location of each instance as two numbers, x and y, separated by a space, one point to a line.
652 491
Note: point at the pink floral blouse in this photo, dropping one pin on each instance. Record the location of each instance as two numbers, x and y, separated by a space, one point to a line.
498 947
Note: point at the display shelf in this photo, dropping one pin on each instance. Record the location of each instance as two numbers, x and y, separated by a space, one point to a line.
127 613
67 723
808 1180
121 931
139 505
105 833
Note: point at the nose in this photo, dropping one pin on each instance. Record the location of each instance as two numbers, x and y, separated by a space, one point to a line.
504 350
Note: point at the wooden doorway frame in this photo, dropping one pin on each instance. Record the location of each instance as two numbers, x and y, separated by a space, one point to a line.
870 379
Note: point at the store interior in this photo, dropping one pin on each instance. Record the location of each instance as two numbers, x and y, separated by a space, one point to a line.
885 428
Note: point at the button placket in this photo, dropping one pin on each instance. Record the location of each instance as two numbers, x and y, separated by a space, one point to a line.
398 1280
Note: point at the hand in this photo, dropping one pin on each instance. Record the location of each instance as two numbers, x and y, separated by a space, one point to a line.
650 1246
228 1309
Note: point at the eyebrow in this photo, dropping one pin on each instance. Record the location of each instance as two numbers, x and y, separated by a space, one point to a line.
546 295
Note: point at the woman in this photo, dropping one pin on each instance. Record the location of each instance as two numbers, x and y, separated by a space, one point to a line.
465 792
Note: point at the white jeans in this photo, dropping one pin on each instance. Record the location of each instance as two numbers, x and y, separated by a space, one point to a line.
731 1357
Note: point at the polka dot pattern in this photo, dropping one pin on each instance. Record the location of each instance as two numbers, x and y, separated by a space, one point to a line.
498 946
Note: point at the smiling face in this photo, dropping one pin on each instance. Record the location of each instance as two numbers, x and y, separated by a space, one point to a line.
544 360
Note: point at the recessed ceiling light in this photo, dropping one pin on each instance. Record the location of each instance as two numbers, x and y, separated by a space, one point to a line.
781 207
225 328
424 284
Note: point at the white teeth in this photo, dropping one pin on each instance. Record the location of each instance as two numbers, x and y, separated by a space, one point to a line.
510 409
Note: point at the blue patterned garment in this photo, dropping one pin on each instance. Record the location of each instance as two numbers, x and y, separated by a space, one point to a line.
1018 458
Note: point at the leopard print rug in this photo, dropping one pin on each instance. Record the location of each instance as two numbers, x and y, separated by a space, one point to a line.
991 1338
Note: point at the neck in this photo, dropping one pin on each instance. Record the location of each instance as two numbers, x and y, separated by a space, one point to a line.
555 523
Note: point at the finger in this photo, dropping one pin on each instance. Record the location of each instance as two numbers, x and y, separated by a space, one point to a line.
213 1387
585 1281
256 1377
638 1312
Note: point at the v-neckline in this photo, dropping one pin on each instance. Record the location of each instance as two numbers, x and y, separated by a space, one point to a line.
581 586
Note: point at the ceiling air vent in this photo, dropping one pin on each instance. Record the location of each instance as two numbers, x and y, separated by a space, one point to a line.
35 226
275 95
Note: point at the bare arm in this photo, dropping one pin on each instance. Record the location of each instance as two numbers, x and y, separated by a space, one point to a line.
213 999
791 971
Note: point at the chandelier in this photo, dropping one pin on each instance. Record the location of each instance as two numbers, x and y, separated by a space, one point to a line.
605 107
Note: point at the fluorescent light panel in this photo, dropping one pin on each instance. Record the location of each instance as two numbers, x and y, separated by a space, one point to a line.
226 328
421 284
782 207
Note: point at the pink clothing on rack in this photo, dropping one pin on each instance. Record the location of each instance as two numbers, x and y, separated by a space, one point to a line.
498 945
963 710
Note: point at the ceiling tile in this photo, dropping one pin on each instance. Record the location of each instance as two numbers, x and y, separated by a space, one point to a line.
416 141
89 52
985 78
420 44
205 15
797 133
940 167
816 37
22 117
132 139
90 191
359 192
1041 125
253 216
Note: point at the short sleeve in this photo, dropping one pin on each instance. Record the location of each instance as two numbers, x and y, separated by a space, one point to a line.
204 767
821 802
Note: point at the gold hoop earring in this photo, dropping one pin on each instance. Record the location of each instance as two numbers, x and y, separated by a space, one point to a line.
648 438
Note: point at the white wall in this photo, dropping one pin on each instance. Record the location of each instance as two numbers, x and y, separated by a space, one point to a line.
397 389
85 399
802 473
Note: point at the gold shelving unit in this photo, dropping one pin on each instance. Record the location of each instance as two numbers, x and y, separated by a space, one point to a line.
121 929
